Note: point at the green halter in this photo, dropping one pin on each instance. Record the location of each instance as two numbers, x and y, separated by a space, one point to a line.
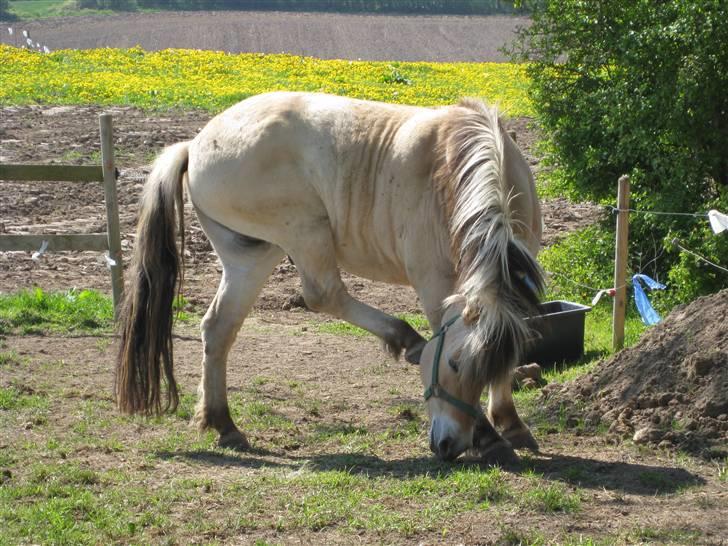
435 390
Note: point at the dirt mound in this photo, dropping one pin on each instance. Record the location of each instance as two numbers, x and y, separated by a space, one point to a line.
670 390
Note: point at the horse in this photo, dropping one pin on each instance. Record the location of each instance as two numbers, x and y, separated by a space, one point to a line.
440 199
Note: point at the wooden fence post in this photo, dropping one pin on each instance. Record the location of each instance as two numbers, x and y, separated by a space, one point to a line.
112 209
620 264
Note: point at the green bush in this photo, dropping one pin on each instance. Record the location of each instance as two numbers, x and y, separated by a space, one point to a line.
579 263
639 87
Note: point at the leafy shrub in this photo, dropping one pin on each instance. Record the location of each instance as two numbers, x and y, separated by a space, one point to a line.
579 263
638 87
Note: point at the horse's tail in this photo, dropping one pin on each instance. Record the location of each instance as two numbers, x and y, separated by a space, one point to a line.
146 315
497 275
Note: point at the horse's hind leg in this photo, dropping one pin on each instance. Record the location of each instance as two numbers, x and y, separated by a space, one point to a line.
502 413
247 263
324 291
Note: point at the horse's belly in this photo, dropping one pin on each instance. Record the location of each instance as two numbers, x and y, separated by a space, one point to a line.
370 265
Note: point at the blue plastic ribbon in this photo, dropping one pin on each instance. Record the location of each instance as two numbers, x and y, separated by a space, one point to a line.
646 311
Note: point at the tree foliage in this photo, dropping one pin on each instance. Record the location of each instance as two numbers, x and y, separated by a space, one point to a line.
639 87
4 9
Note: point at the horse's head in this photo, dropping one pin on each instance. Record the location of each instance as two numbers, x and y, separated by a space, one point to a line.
452 390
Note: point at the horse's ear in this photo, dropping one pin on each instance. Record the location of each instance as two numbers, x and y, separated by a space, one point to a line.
471 314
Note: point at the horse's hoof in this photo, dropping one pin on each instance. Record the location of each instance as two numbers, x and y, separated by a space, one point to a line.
498 454
234 440
413 354
521 439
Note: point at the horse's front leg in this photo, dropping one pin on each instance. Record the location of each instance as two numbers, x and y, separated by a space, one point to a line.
502 413
490 446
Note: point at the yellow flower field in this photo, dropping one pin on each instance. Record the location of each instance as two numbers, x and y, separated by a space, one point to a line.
214 80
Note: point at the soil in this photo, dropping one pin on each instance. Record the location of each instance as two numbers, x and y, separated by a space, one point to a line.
669 390
322 35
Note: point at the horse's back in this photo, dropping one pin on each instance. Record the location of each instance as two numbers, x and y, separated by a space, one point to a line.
274 164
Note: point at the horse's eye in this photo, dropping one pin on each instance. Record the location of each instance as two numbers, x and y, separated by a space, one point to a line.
453 364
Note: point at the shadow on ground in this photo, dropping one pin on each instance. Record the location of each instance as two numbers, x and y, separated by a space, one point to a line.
628 478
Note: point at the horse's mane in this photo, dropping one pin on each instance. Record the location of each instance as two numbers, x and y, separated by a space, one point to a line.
469 164
493 268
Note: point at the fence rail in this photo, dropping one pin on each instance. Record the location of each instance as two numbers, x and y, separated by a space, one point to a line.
45 173
106 174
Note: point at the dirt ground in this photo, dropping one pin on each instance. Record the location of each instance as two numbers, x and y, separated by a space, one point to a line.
323 35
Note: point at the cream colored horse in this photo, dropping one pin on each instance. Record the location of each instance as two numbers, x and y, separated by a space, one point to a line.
439 199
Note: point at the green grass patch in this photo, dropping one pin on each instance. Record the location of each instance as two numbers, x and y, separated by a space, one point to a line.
74 311
11 398
257 415
544 496
340 328
72 504
36 311
9 358
42 9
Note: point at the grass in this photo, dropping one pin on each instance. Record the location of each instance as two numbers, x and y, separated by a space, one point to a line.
653 535
36 311
548 497
9 358
74 311
74 503
43 9
215 80
91 476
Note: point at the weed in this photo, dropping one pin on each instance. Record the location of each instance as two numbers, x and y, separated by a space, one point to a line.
10 358
396 76
259 381
549 497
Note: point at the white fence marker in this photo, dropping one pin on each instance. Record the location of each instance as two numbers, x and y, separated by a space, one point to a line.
37 254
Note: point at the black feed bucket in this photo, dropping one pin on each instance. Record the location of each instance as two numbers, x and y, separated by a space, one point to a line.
558 333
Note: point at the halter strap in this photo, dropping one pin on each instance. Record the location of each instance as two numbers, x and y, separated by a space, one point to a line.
435 390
